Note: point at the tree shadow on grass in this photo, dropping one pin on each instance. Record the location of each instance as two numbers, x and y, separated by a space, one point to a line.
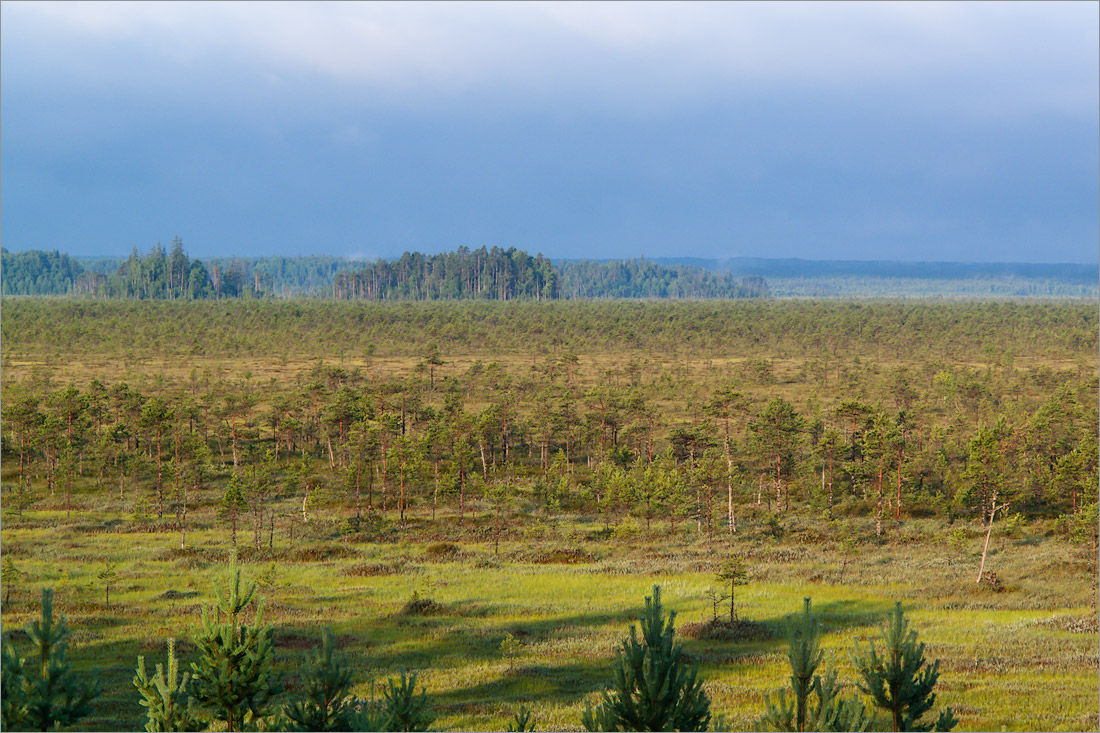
570 682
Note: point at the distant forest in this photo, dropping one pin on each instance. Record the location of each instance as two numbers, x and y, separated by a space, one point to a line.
465 274
799 278
512 274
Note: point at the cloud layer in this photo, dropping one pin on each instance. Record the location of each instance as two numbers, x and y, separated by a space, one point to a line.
893 130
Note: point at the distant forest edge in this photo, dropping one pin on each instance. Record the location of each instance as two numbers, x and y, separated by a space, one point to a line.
512 274
794 277
465 274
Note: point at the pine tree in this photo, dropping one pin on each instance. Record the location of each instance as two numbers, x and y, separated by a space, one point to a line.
51 695
521 721
13 697
798 714
232 504
107 576
168 705
733 571
325 704
406 710
654 686
368 715
899 681
234 677
10 576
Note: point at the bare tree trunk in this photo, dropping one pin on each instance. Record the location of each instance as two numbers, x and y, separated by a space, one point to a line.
897 505
183 515
878 517
778 483
461 495
730 520
385 466
988 532
435 494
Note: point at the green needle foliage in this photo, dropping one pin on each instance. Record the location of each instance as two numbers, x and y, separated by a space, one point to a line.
899 681
107 576
43 693
368 715
325 704
733 572
827 712
521 721
10 576
235 677
406 710
654 686
168 705
13 698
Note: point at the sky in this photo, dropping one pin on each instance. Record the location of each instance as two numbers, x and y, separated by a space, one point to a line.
894 131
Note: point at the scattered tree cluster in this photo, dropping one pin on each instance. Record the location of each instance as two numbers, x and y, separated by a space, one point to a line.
489 440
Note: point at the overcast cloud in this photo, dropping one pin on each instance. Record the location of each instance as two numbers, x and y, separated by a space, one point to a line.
854 130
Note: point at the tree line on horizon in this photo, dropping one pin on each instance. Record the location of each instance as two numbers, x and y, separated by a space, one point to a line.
464 274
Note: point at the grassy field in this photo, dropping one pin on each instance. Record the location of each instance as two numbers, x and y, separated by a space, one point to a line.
1024 658
565 586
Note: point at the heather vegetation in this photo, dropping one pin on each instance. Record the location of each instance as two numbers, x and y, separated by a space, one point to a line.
475 498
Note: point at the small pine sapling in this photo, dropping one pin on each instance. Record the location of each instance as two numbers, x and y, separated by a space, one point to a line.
106 576
234 677
521 721
827 712
899 681
168 705
13 695
715 597
510 647
407 710
10 576
325 704
54 697
733 572
654 687
368 715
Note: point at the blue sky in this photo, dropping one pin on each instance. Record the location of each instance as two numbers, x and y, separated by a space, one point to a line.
899 131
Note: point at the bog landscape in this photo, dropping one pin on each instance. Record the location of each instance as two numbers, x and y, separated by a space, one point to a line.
483 493
467 366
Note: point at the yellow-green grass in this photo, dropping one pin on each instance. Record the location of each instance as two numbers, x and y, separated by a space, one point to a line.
1024 658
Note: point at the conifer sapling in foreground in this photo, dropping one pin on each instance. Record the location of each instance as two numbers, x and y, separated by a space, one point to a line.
325 704
654 687
42 692
827 712
899 681
168 705
235 677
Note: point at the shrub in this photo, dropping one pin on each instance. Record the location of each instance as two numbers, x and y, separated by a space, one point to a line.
417 606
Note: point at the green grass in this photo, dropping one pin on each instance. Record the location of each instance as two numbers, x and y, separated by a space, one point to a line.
1018 659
